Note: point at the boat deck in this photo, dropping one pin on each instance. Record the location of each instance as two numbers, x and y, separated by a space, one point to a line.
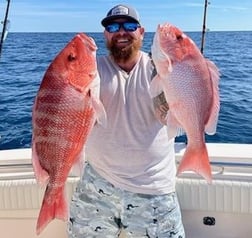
221 209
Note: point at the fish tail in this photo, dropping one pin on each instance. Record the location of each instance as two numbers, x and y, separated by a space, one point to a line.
197 160
54 205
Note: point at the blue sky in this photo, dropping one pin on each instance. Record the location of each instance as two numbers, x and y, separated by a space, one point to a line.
85 15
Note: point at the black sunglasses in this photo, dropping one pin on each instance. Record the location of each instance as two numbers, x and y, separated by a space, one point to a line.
127 26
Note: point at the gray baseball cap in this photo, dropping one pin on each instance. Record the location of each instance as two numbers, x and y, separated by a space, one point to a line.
121 11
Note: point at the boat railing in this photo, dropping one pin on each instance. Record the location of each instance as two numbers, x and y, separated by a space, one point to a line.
227 161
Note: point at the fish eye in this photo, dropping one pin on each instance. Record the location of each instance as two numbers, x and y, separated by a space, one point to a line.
71 57
179 37
89 93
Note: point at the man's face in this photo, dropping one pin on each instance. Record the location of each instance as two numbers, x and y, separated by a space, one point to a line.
124 45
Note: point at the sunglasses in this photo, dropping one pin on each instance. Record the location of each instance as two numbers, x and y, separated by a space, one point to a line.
127 26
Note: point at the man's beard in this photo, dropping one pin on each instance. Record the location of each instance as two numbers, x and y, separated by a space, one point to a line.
123 54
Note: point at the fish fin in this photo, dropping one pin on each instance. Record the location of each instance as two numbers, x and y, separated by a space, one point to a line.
78 165
196 159
41 175
52 207
81 83
155 87
174 128
100 112
99 109
210 127
161 60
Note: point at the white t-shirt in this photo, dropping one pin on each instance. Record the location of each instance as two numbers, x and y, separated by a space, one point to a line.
132 152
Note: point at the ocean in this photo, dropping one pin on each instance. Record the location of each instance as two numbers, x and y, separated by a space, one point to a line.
26 56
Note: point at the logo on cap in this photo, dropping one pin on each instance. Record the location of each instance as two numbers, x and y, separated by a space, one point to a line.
120 10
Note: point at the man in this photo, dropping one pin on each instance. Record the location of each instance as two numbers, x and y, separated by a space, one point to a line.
128 186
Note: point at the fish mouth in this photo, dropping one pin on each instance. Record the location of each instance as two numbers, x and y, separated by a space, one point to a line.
87 40
167 30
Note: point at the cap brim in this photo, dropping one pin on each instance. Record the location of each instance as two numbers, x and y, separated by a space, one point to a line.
109 19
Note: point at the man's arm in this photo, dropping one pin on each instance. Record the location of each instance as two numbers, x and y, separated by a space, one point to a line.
161 108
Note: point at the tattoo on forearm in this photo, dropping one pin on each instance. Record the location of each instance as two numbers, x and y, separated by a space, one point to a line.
161 107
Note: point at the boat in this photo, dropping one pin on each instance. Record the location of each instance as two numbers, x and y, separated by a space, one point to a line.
222 209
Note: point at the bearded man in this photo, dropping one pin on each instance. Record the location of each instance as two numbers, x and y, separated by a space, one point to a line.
128 185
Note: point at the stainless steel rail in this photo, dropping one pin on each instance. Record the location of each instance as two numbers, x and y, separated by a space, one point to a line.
231 164
25 170
213 163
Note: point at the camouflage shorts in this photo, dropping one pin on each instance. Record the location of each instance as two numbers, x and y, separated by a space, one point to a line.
98 209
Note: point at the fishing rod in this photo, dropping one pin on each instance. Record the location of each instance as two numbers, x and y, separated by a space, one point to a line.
204 27
4 26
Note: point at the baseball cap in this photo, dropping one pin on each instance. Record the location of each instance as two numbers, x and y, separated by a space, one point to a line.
121 11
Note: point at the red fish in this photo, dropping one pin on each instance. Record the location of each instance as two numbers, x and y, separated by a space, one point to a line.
65 110
190 84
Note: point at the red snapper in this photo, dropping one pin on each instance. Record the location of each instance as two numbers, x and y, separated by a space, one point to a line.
65 109
190 84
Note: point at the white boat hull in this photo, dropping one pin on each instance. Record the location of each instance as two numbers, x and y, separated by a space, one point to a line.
226 204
